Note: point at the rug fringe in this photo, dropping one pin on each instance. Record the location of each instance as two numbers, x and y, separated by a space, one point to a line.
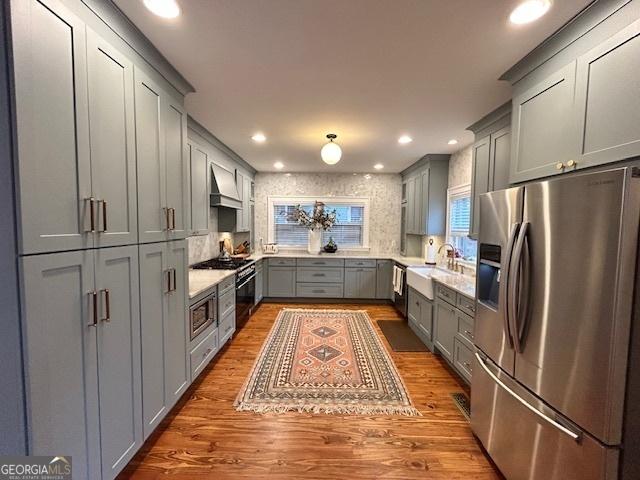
329 409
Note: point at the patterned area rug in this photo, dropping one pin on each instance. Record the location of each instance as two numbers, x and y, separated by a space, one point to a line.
324 361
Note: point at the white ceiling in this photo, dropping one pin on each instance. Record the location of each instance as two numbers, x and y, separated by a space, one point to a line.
367 70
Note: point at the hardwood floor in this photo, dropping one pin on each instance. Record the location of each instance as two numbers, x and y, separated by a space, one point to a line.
204 437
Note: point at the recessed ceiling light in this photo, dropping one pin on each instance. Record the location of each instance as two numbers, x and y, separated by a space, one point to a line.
279 165
259 137
378 166
405 139
453 141
163 8
529 11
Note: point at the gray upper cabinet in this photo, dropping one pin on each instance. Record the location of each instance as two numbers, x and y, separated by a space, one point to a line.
199 190
243 219
62 384
163 194
481 152
491 158
120 395
608 97
177 168
112 131
153 214
163 329
54 174
543 127
384 279
425 187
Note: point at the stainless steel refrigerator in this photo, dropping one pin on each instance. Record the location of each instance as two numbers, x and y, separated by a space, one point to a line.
556 274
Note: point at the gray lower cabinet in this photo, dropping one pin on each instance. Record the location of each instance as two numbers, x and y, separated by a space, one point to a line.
444 328
199 169
259 295
384 279
543 126
163 294
88 302
161 163
420 316
227 326
360 282
282 281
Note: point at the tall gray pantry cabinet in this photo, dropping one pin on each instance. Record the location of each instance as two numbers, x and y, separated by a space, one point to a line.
103 209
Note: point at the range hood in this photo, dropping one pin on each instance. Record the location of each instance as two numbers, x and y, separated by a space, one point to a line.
223 188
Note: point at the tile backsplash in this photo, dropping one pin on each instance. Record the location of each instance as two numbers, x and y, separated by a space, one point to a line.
383 190
204 247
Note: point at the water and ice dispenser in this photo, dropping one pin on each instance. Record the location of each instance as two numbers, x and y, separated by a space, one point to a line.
489 275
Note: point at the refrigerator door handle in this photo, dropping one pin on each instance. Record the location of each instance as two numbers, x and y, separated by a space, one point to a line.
575 436
505 278
513 283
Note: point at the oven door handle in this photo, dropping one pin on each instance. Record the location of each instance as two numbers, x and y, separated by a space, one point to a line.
247 281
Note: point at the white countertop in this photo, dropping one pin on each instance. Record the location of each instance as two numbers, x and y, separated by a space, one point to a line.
461 283
201 280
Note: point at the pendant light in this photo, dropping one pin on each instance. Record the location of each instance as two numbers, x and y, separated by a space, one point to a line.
331 152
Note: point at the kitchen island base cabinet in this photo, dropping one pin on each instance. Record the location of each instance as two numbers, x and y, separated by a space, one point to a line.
81 315
163 305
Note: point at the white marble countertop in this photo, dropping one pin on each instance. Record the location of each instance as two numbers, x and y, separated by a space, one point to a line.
460 283
201 280
406 261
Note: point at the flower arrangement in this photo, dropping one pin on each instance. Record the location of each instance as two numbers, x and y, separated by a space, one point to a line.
318 219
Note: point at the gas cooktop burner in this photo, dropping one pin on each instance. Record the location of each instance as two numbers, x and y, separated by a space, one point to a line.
215 264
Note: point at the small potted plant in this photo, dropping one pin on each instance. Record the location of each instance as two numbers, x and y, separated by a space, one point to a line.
331 247
316 222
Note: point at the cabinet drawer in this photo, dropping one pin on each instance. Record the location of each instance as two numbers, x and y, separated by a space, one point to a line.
463 358
446 294
465 326
364 262
320 290
467 305
321 262
226 284
319 274
226 302
202 354
227 326
283 262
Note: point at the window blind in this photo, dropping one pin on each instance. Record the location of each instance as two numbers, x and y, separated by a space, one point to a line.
348 231
459 215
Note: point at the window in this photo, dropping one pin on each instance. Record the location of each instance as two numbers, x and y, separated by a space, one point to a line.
349 231
459 220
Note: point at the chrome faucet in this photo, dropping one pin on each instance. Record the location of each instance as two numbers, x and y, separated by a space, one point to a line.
450 260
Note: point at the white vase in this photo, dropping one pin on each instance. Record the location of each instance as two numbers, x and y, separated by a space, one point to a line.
315 241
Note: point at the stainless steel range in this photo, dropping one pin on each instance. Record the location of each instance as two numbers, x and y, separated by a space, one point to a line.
245 283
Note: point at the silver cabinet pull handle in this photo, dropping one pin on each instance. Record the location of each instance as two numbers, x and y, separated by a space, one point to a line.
107 305
92 214
167 213
517 397
175 283
94 309
104 215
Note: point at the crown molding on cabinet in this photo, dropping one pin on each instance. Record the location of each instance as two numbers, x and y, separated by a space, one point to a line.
588 19
124 28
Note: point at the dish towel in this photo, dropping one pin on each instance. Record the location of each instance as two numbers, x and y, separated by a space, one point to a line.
398 279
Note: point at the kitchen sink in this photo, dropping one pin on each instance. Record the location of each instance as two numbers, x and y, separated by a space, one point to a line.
420 279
